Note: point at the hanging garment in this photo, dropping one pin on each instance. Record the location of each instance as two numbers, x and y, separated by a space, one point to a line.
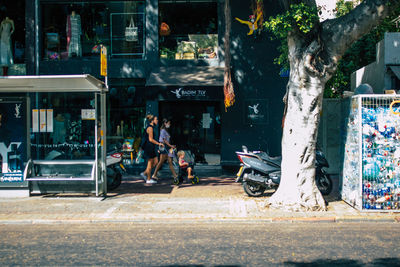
6 29
74 33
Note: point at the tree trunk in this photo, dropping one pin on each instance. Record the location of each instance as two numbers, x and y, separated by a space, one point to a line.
313 60
298 190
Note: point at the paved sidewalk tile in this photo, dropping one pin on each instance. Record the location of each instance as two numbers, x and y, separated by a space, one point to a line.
214 199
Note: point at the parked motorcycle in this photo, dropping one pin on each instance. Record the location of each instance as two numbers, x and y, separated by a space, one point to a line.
115 169
259 171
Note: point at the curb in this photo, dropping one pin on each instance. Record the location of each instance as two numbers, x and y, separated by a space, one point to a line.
364 219
202 220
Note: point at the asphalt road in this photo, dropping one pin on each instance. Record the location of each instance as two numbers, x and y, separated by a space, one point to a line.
209 244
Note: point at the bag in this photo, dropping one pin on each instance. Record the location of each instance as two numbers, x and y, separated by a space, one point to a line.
131 32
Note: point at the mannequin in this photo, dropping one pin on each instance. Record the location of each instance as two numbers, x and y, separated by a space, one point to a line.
74 33
6 58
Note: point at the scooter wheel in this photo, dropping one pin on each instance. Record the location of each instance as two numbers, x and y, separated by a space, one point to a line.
114 181
253 190
324 183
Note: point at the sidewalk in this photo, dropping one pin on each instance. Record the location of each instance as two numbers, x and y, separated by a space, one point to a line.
215 199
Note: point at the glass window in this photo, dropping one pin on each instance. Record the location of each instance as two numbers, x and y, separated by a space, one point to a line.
126 121
76 29
63 126
15 12
188 30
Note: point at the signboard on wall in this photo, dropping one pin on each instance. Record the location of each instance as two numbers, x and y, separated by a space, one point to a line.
209 93
103 61
12 139
256 111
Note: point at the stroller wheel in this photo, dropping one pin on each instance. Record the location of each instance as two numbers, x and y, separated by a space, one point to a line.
195 180
178 180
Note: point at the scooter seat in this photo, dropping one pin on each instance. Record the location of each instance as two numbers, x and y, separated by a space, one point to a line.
274 160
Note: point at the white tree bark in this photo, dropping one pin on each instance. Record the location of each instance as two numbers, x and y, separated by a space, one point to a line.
313 60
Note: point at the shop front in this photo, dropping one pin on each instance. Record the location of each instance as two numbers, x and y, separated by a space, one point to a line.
12 40
192 98
52 135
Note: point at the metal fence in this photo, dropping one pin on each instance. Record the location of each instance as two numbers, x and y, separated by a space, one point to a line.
371 168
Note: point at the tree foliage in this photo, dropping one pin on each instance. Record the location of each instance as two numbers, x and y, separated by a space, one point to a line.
360 54
304 18
301 17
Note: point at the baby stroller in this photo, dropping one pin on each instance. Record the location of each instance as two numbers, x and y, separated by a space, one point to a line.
182 173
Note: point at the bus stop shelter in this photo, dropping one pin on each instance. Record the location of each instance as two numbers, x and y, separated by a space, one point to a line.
52 135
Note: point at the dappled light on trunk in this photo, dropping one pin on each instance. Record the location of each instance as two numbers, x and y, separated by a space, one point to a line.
313 54
298 190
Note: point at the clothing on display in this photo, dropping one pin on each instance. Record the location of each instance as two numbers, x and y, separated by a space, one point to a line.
75 131
6 30
74 32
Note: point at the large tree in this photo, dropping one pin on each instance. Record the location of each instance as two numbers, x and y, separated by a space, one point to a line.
314 49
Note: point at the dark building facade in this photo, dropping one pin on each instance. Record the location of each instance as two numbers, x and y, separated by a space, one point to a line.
166 58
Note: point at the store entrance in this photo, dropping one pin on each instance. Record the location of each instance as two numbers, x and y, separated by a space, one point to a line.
196 126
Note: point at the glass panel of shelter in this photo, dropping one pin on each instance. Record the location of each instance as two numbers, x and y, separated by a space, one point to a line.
63 126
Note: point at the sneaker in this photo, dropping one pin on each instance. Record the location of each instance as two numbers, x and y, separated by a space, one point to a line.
151 181
143 176
154 177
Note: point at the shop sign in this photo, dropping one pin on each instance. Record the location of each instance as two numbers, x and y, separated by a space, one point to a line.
12 177
12 139
103 61
256 111
88 114
189 93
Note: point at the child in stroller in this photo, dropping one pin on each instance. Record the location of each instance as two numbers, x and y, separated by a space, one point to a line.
185 169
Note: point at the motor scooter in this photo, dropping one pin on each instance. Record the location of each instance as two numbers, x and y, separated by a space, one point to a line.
115 169
259 171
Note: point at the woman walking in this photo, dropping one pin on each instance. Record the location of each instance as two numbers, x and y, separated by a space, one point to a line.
149 148
167 152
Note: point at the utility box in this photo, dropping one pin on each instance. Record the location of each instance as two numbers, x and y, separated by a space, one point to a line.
371 169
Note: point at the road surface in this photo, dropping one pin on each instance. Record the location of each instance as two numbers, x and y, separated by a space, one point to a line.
201 244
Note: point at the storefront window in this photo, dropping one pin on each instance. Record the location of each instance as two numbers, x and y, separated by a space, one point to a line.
76 29
188 30
12 29
126 120
63 126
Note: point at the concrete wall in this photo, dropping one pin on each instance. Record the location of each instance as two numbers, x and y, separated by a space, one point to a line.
376 74
392 48
331 132
372 74
255 80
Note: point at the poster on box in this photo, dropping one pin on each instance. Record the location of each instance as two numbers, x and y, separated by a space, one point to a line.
12 139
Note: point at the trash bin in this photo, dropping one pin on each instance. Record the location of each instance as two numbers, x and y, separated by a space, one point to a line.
371 169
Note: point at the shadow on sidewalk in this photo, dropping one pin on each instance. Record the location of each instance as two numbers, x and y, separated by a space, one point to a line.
165 186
